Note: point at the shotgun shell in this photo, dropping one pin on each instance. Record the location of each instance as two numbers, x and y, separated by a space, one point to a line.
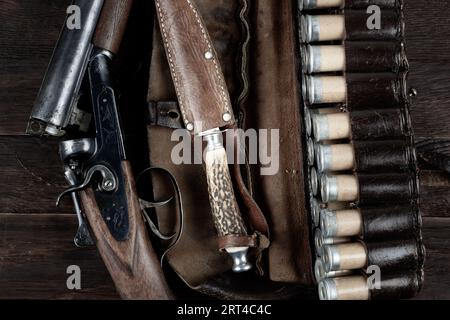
347 256
344 288
342 188
304 85
322 28
326 89
308 123
320 241
311 152
315 211
314 181
330 110
320 4
329 58
334 126
321 274
341 223
303 57
319 270
335 157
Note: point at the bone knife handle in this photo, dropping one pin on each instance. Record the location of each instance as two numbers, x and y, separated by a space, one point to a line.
225 210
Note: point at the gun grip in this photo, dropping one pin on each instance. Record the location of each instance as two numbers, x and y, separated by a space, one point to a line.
133 264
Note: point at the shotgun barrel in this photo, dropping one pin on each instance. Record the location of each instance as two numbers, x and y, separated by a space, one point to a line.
59 92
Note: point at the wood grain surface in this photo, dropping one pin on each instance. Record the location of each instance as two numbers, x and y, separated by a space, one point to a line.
133 264
112 24
36 238
35 251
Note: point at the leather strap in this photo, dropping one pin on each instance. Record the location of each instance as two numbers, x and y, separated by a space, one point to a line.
254 215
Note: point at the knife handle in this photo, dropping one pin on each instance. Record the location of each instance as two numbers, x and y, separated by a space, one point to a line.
133 264
224 207
227 219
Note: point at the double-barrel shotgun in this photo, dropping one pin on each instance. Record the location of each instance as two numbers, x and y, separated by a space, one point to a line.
102 183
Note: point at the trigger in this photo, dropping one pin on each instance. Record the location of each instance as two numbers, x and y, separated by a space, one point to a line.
73 189
155 229
109 182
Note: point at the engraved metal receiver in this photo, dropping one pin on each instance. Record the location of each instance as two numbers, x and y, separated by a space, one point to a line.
97 162
102 169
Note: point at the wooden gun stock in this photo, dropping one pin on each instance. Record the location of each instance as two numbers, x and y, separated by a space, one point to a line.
112 24
133 264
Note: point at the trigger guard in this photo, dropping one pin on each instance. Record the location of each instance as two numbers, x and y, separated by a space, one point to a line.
178 234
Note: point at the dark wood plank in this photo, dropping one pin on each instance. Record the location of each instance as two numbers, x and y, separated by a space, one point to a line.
431 107
31 176
35 251
436 233
435 194
435 152
427 24
29 32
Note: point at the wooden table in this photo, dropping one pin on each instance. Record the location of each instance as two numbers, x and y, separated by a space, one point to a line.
36 237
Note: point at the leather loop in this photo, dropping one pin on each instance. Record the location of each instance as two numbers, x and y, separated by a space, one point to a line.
397 286
165 114
395 256
382 156
230 241
392 27
378 189
396 222
256 240
378 124
363 4
375 91
375 56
